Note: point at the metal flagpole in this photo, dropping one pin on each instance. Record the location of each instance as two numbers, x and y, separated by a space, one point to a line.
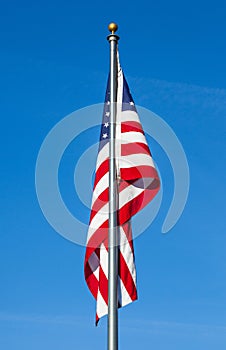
113 200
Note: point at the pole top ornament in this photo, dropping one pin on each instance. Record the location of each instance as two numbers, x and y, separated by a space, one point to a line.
113 27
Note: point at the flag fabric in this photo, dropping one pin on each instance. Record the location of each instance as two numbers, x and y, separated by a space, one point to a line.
138 183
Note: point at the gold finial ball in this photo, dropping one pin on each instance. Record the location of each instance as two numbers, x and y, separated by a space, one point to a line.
113 27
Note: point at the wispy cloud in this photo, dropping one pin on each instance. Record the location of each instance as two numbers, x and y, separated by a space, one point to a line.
171 327
160 327
42 319
179 94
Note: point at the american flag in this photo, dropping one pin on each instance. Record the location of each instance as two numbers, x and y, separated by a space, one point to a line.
138 183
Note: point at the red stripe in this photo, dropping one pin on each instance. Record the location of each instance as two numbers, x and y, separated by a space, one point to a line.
134 148
136 204
99 236
126 278
101 171
103 286
128 232
91 281
99 203
141 171
129 126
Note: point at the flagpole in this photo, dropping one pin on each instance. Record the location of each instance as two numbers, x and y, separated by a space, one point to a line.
113 200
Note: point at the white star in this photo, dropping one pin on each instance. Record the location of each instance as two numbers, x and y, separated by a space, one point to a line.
108 102
106 125
105 136
131 103
107 114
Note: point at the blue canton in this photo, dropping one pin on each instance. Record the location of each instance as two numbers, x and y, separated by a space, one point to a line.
127 105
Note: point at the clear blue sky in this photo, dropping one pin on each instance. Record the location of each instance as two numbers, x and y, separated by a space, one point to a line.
54 60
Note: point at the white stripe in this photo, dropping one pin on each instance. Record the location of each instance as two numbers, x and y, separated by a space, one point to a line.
96 273
102 308
101 216
95 225
104 260
134 160
102 155
129 116
124 297
132 137
101 186
127 254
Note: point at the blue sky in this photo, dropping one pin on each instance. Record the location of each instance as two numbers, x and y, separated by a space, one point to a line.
53 61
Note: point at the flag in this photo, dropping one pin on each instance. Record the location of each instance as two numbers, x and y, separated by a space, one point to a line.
138 183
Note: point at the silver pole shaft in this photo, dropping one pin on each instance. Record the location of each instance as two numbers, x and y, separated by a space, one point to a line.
113 204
